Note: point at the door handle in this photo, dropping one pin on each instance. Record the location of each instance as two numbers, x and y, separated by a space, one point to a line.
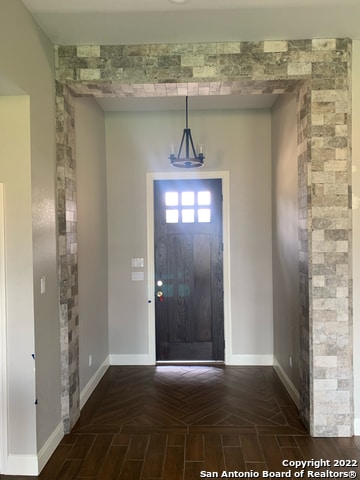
160 296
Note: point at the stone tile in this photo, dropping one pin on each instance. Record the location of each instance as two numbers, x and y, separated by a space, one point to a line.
275 46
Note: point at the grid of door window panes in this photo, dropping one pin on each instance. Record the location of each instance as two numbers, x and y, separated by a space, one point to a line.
188 207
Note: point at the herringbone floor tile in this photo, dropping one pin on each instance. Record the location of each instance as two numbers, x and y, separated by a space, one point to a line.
189 422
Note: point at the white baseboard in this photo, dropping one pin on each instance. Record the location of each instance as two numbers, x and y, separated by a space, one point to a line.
357 426
50 445
92 383
31 465
285 380
266 360
131 360
248 360
21 465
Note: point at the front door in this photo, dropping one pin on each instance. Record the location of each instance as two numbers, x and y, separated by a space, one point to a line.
189 311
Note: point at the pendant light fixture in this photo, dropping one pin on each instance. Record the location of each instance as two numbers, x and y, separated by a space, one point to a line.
190 159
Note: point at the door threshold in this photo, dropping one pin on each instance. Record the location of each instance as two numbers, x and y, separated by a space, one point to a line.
190 362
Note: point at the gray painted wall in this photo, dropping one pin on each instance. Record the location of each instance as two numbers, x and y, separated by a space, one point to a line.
237 141
27 64
285 237
92 238
15 158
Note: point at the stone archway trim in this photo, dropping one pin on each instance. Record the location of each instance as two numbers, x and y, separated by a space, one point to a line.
319 72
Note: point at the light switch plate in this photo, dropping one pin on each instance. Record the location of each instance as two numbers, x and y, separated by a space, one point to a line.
137 276
137 262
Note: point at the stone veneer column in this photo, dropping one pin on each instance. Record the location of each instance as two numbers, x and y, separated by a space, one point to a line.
330 260
319 72
67 252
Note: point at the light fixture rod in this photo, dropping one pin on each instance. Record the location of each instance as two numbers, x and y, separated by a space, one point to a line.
187 134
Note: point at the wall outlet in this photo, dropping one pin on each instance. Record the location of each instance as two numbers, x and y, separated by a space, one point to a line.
90 360
42 285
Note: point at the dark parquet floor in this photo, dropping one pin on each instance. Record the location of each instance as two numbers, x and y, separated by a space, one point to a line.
191 422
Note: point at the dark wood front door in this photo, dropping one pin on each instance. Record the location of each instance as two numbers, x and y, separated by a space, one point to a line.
189 311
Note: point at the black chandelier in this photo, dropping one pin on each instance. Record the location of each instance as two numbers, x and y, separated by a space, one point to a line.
187 161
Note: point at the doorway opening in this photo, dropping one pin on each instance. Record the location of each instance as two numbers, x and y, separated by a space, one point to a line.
188 273
189 312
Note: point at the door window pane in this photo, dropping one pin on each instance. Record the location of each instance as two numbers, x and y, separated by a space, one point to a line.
187 198
188 215
172 216
183 200
204 215
171 199
204 198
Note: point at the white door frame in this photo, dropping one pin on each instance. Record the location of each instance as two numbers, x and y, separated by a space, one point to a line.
187 175
3 342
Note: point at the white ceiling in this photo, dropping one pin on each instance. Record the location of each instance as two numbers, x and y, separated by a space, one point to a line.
120 22
113 22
